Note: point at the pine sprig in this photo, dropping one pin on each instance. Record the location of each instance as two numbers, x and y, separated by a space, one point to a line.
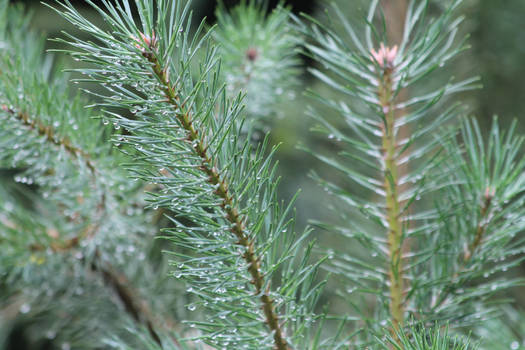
49 133
81 200
232 237
230 210
419 338
482 223
257 53
390 150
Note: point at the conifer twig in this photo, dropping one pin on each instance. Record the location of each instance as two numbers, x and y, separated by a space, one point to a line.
135 306
230 211
75 152
482 225
384 59
481 229
50 135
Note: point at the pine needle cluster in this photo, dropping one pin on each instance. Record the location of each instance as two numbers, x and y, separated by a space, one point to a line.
153 219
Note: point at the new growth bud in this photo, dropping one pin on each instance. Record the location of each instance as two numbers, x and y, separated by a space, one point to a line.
489 193
145 42
384 56
251 54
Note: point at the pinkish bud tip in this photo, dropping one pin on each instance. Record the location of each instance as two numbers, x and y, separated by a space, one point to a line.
145 39
384 56
251 54
489 193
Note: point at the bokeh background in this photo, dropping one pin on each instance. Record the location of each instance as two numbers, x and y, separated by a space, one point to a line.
497 55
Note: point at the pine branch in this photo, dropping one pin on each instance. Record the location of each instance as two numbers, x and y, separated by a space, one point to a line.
424 264
395 15
62 150
136 307
257 48
418 337
488 188
232 236
221 183
394 205
75 152
49 133
389 148
482 225
134 304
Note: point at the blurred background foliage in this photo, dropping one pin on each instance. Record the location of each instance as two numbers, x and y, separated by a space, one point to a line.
497 55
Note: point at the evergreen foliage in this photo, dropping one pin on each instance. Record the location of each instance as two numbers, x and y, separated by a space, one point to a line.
232 235
257 53
435 260
168 151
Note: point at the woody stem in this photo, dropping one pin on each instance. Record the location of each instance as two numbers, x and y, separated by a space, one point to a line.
228 206
393 205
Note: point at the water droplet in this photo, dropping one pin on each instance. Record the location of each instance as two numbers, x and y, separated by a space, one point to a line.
51 334
25 308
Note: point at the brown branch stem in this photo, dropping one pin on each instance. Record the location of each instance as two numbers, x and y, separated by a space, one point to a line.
228 206
393 204
481 227
49 133
75 152
134 305
395 12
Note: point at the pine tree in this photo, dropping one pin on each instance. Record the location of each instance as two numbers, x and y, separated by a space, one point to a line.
152 218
